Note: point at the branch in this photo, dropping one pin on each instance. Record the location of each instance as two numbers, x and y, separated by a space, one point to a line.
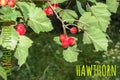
63 25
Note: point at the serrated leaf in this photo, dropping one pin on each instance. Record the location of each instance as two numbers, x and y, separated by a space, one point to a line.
68 15
79 6
112 5
37 20
39 23
3 73
97 37
9 14
102 14
57 40
57 1
22 50
25 6
71 54
89 20
93 34
9 37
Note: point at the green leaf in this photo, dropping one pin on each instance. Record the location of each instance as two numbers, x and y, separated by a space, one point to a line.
94 1
39 23
58 9
102 14
68 15
57 40
93 34
87 20
97 37
9 14
9 37
79 6
58 1
71 54
24 6
22 50
112 5
3 73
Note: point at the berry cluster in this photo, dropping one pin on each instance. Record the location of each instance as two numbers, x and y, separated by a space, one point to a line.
20 29
67 41
10 3
50 10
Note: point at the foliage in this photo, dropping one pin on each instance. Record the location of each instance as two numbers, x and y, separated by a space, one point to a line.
22 49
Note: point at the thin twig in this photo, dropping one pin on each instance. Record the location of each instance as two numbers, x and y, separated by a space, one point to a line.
82 22
69 2
63 25
71 25
44 73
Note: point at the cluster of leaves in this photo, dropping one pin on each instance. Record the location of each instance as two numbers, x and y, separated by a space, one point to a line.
93 23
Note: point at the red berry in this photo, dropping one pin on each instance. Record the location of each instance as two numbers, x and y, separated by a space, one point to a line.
11 3
3 2
46 11
65 44
20 29
62 37
71 41
73 30
49 10
55 5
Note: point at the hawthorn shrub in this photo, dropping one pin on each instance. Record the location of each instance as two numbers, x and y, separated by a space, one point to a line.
65 27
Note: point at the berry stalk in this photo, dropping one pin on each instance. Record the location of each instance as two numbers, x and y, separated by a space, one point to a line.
63 25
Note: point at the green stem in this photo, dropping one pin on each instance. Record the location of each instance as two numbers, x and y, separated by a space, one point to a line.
28 68
43 77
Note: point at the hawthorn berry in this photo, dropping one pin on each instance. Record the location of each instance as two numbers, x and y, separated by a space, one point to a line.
11 3
3 2
65 44
73 30
20 29
66 41
55 5
71 41
62 37
48 11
